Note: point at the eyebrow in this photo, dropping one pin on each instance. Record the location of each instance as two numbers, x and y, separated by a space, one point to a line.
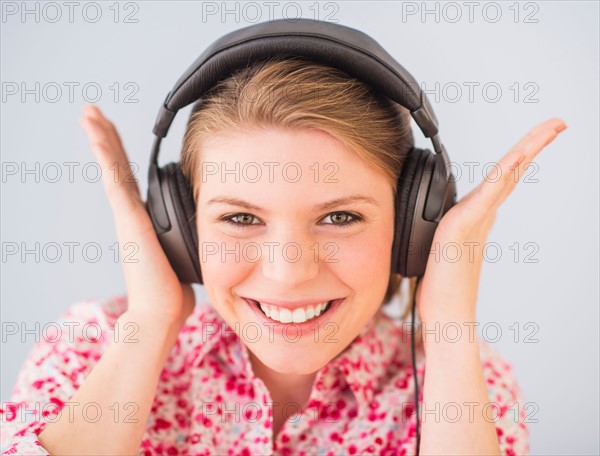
320 207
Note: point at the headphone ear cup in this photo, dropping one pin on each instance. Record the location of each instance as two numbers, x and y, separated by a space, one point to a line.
180 243
423 197
407 191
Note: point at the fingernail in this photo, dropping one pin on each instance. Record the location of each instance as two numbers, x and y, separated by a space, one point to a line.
561 128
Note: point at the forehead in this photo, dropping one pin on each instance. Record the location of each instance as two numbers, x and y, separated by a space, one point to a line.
274 160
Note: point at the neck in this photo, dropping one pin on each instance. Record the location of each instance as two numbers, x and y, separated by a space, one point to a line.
284 388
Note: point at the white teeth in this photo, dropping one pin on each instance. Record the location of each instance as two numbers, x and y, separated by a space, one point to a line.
274 312
285 316
300 315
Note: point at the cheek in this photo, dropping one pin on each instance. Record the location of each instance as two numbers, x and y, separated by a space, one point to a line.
363 262
222 259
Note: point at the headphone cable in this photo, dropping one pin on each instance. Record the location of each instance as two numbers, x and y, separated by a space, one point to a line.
414 361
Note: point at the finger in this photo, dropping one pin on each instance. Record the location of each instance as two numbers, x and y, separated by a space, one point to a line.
96 118
94 112
119 167
503 178
125 171
525 152
532 143
122 197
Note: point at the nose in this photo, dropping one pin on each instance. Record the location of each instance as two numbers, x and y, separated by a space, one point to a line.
291 258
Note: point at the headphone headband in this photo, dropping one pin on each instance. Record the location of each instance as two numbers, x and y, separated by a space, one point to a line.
345 48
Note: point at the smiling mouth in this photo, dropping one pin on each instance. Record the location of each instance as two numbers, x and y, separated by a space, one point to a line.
288 316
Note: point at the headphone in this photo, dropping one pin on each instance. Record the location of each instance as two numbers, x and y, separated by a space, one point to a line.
426 189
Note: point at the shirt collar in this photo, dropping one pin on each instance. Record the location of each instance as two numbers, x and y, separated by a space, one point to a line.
361 365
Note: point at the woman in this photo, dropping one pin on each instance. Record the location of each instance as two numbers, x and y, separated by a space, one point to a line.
341 387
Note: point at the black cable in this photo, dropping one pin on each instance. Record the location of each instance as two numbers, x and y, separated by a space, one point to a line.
414 362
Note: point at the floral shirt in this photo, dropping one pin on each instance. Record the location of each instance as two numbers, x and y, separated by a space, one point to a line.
209 401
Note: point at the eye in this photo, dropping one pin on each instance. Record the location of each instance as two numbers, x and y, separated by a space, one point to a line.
245 220
343 217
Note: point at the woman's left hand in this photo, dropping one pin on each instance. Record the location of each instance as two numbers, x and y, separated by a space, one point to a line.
448 290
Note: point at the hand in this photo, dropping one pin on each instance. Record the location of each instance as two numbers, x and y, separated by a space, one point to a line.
448 290
153 289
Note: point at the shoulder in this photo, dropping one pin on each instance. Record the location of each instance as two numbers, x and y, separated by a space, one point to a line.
497 370
87 326
106 311
102 311
76 339
500 378
95 322
65 352
506 406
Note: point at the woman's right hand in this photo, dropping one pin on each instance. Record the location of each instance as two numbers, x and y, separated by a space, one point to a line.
153 289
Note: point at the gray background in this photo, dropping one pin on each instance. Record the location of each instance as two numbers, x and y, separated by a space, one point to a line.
557 56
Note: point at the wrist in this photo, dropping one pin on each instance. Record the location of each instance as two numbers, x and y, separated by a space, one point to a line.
157 321
448 319
149 330
449 335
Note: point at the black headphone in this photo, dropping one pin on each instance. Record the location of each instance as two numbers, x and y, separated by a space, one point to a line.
426 189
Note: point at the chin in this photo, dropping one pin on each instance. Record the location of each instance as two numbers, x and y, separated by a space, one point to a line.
295 361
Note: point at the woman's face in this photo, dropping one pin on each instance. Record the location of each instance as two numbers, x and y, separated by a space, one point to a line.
288 243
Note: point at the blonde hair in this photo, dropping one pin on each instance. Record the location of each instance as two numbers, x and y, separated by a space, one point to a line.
297 93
